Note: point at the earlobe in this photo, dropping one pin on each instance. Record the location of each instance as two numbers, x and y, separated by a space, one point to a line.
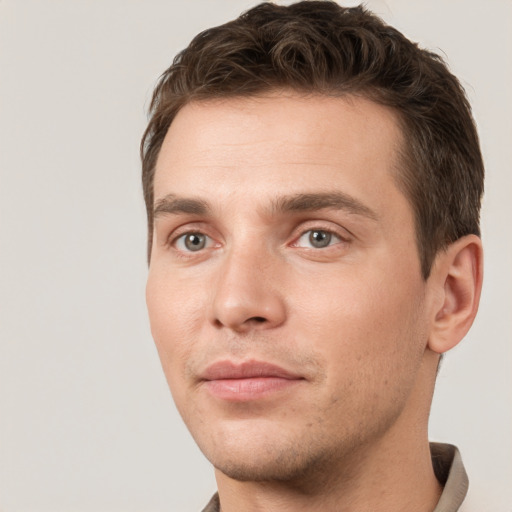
458 277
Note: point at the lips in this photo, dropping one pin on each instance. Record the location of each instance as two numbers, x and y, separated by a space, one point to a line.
247 381
246 370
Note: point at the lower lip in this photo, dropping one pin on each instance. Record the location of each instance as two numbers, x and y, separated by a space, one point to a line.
242 390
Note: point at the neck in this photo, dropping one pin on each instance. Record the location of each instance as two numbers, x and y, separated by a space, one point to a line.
388 483
391 474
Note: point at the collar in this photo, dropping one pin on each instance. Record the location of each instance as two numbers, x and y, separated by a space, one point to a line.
450 472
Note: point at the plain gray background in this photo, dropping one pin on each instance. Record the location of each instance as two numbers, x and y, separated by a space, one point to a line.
86 420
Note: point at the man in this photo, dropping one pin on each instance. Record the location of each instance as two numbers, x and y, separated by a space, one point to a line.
313 183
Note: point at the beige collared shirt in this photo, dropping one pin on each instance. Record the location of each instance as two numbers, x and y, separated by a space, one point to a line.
448 469
450 472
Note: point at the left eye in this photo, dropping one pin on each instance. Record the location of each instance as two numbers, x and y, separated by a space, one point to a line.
317 238
192 242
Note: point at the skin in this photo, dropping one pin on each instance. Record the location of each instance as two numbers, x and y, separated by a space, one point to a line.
354 320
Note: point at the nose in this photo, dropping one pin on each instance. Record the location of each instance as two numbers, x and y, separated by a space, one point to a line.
248 292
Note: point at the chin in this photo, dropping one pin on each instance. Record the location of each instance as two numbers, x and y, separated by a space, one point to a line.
261 456
282 466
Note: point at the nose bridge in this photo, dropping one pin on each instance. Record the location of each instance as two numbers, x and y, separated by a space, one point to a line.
247 292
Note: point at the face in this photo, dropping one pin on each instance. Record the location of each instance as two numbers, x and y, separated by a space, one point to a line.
285 293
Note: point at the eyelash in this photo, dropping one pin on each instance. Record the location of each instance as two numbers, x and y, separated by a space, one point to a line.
190 234
329 232
173 240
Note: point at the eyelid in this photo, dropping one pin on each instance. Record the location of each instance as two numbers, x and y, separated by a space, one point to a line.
199 227
342 233
177 232
208 243
335 239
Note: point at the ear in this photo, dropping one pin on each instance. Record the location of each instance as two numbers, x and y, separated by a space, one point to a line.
457 280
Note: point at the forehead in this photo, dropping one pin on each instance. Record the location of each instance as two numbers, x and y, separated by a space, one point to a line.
282 142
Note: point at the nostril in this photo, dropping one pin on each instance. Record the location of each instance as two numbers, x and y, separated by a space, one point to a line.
252 320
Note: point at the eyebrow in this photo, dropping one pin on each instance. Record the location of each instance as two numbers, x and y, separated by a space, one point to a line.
173 204
323 200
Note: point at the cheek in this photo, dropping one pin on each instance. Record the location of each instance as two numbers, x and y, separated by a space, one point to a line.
369 323
370 338
174 316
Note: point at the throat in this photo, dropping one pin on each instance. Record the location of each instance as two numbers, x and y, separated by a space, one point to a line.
356 484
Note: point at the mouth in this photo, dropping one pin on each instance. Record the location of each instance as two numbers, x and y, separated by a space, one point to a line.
247 381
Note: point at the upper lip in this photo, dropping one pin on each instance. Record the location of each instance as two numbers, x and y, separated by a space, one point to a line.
245 370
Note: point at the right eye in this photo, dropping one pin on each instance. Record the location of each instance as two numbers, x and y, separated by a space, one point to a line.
192 242
318 239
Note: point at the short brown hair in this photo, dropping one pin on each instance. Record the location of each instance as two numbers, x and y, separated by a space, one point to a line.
323 48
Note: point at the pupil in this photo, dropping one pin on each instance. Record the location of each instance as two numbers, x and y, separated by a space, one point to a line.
320 238
195 241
